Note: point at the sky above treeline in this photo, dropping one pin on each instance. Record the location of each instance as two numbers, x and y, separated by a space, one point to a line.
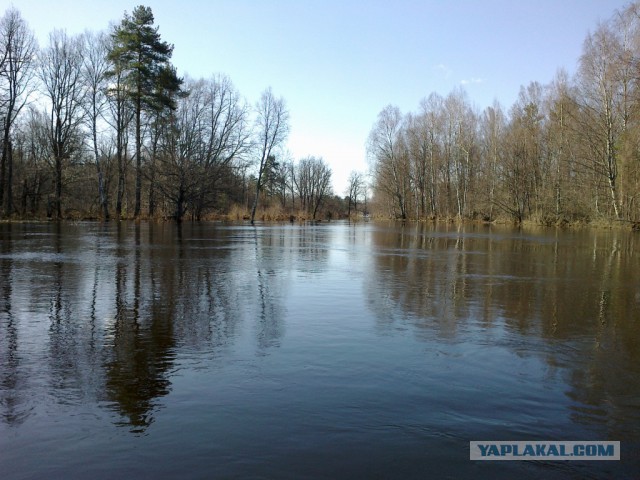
338 63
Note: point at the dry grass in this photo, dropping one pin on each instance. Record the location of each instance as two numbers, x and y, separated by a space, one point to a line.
273 213
238 213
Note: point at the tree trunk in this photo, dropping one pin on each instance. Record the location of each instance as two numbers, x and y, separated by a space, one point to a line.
180 206
120 194
58 188
103 196
152 177
6 147
3 167
152 199
9 203
101 190
614 200
136 212
255 201
258 187
9 180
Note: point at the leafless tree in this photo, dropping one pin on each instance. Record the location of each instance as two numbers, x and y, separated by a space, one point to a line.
34 168
355 190
272 129
205 136
17 68
94 78
120 116
61 75
563 194
523 168
458 151
182 149
227 137
387 152
492 128
602 109
313 183
427 145
627 23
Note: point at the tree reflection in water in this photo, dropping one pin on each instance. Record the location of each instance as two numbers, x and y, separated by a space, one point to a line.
117 323
171 291
571 300
11 374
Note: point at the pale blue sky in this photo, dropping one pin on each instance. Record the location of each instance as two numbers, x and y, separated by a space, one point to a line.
338 63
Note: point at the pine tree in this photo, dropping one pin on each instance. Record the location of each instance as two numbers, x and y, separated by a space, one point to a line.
151 83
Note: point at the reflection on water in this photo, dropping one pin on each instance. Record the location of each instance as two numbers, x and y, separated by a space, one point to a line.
329 350
574 296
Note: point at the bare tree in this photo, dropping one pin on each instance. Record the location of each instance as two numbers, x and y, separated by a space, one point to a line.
492 128
204 137
420 151
564 188
427 147
354 190
283 181
94 78
181 153
313 183
602 118
461 131
34 168
387 151
321 184
227 137
17 56
61 75
627 23
119 118
272 129
523 167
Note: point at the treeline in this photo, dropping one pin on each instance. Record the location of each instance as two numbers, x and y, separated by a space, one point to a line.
100 125
568 151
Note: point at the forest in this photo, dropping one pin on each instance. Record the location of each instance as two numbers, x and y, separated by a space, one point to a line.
567 152
100 126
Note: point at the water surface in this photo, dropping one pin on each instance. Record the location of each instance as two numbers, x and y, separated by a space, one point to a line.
313 351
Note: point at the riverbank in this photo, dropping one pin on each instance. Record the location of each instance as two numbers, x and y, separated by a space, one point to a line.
280 215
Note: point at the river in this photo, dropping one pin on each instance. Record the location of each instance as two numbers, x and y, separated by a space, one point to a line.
335 350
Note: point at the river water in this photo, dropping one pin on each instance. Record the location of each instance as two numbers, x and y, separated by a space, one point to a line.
313 351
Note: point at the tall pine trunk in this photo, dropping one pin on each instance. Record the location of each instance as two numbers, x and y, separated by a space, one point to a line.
136 213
